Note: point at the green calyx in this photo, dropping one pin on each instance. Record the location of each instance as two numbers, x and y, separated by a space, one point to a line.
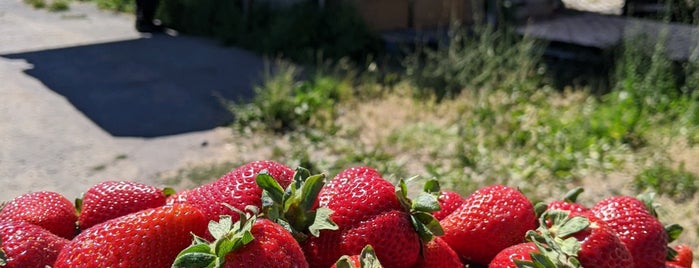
3 256
294 207
228 236
367 259
557 248
572 195
421 208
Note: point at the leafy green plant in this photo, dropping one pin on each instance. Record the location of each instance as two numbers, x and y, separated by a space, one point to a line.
283 103
677 184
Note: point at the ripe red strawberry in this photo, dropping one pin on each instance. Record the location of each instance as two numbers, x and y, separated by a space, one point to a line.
642 233
684 256
28 245
368 211
569 202
111 199
237 188
438 254
449 201
490 220
249 243
48 210
506 257
148 238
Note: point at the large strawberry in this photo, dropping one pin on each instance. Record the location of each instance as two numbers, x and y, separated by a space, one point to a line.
111 199
490 220
23 244
637 228
148 238
577 240
368 211
248 243
49 210
237 189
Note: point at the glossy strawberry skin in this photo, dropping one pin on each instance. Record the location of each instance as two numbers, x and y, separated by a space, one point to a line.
438 254
504 259
366 211
449 201
28 245
148 238
567 206
600 246
490 220
642 234
684 257
237 188
273 246
48 210
111 199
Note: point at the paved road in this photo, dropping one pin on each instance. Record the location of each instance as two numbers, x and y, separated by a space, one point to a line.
85 98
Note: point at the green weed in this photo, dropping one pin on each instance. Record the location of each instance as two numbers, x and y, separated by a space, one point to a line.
677 184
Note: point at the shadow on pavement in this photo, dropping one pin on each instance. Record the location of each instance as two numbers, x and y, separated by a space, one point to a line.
149 87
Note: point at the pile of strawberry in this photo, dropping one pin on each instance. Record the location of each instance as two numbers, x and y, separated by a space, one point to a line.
264 214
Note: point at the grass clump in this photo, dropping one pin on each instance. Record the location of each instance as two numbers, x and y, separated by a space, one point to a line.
678 184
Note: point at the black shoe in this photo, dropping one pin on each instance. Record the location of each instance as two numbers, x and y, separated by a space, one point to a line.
149 27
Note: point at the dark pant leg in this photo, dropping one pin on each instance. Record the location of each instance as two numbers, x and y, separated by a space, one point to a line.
145 10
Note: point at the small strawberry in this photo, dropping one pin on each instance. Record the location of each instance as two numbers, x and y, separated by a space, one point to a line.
237 188
684 256
366 259
247 243
490 220
111 199
637 228
148 238
449 201
23 244
438 254
519 252
48 210
569 202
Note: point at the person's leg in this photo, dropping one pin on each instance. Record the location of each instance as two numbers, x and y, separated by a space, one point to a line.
145 14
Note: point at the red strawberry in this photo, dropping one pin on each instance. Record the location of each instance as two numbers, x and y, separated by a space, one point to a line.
569 202
438 254
28 245
642 233
449 201
48 210
366 259
490 220
111 199
148 238
248 243
684 256
368 211
237 188
506 257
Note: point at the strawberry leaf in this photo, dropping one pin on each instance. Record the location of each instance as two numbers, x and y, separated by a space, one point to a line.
368 259
310 190
432 186
426 225
572 195
270 186
195 260
402 194
322 222
426 202
219 229
673 232
168 191
572 226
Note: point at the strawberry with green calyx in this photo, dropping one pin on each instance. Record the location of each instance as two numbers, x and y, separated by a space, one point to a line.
683 258
249 242
568 240
295 207
237 188
421 209
366 259
673 231
23 244
49 210
569 202
438 254
148 238
368 211
448 200
111 199
490 220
